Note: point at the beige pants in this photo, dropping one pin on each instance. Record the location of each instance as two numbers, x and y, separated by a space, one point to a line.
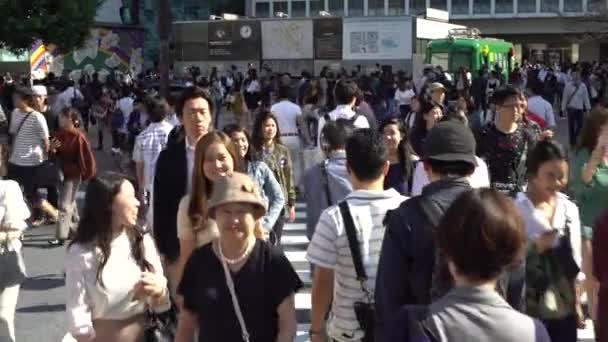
8 304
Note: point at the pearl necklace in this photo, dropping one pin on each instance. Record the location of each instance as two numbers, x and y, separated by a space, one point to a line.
237 259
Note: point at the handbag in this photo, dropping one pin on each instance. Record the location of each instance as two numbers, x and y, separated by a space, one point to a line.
364 311
12 265
235 302
50 172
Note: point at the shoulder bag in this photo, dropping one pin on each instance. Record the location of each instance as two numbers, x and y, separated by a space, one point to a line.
12 264
364 311
12 138
235 302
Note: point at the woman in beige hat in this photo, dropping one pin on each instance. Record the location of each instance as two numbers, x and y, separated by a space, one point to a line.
247 290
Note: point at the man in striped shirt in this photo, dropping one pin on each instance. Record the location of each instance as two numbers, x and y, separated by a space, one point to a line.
334 275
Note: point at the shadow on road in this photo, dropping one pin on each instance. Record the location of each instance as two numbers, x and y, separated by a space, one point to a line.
43 308
43 282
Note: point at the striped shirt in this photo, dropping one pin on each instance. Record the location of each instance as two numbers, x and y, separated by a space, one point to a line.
329 249
148 146
28 143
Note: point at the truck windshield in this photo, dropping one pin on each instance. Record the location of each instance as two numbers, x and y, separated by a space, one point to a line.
441 59
460 59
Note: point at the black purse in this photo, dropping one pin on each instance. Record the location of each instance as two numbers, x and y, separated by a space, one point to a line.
364 311
12 266
50 172
563 253
160 327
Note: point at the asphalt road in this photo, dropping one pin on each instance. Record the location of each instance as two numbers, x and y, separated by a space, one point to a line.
41 314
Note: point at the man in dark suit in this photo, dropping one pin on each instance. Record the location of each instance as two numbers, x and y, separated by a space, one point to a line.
173 176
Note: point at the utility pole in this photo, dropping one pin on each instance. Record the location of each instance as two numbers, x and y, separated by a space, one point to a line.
164 29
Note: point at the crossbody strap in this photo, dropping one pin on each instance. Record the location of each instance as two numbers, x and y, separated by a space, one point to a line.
572 95
21 124
235 300
353 245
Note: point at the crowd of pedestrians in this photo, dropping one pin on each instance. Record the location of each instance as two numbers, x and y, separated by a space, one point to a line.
438 207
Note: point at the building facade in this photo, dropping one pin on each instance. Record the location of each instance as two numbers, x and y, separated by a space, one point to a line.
552 31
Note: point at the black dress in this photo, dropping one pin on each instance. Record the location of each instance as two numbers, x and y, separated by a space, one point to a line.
264 281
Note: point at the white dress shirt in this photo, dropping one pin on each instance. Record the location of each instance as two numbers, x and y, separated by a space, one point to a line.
542 108
190 162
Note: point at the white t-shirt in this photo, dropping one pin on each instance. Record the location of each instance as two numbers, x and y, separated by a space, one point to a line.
28 143
329 249
542 108
404 98
479 179
287 113
342 112
126 107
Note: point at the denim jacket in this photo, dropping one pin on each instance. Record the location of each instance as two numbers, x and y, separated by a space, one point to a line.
270 189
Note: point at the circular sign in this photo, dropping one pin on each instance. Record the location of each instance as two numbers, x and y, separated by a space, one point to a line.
246 31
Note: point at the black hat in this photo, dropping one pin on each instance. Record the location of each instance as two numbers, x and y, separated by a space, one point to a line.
450 141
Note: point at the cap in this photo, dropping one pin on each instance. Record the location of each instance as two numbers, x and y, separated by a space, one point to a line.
39 90
236 188
451 141
436 86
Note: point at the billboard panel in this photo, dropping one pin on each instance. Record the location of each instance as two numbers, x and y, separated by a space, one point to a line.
234 40
190 41
328 38
287 39
377 38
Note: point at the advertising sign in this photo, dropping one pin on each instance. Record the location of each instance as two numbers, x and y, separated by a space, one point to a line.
372 38
234 40
287 39
328 38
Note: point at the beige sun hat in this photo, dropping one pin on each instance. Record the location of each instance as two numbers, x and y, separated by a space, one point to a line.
237 187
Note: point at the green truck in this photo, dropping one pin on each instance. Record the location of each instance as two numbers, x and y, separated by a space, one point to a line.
465 48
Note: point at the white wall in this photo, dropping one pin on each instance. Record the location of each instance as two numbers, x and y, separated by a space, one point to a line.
109 12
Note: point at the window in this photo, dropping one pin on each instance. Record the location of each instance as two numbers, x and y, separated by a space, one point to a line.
441 59
262 9
481 7
279 6
504 6
418 7
316 6
396 7
375 7
336 7
549 6
526 6
298 8
461 59
460 7
573 5
596 5
439 4
355 8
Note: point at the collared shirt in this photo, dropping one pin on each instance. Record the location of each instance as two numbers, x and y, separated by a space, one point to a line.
190 162
543 109
287 113
329 249
575 97
342 112
148 146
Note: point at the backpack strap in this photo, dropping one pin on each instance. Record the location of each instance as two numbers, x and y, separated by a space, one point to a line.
325 175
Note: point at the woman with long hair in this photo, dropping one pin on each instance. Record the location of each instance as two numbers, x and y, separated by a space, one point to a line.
113 271
589 187
72 148
426 119
401 157
554 235
268 148
260 173
214 158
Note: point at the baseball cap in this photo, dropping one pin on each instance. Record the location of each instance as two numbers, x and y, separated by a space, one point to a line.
451 141
39 90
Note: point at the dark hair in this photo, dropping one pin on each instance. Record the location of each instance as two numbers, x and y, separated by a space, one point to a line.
544 151
482 234
258 129
404 148
590 133
503 93
345 92
366 154
25 94
126 91
230 129
537 87
192 93
335 134
419 120
284 92
451 168
157 108
72 114
95 227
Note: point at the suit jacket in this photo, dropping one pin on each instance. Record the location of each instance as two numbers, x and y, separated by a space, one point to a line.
170 185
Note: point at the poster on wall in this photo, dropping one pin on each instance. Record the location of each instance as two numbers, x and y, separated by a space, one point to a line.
370 38
287 39
328 38
234 40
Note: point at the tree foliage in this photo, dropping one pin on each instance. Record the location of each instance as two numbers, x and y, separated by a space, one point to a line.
64 23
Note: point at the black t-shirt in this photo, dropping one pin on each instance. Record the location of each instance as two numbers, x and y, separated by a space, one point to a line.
266 279
505 155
